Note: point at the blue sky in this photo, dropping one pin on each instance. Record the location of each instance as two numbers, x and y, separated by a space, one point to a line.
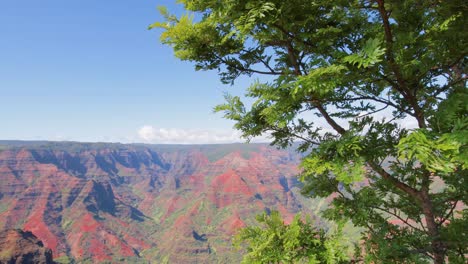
90 70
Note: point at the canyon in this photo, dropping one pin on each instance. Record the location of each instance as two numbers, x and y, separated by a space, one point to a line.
106 202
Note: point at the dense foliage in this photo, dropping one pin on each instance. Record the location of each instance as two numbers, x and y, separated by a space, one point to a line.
277 242
376 92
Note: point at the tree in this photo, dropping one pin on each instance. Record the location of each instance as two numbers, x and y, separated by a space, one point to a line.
344 77
298 242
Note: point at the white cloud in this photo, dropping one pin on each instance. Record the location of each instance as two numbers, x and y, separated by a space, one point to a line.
150 134
409 123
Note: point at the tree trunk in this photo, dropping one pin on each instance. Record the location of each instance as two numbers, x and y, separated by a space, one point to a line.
437 245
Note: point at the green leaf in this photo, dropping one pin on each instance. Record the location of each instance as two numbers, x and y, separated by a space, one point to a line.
368 56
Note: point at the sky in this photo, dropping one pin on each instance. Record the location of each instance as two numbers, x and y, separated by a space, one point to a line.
91 71
87 70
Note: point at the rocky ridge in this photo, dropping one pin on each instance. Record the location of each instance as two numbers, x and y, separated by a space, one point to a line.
17 246
96 203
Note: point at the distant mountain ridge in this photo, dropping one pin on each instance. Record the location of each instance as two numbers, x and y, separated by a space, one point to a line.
106 202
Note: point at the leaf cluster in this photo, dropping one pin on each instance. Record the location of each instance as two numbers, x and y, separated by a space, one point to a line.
273 241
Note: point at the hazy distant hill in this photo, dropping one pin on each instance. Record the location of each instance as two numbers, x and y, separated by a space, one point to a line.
98 202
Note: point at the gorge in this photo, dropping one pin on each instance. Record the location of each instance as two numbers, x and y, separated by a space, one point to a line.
103 202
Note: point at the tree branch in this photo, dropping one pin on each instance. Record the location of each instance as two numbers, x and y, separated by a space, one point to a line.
400 185
295 135
399 217
445 218
247 70
260 59
328 118
402 85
